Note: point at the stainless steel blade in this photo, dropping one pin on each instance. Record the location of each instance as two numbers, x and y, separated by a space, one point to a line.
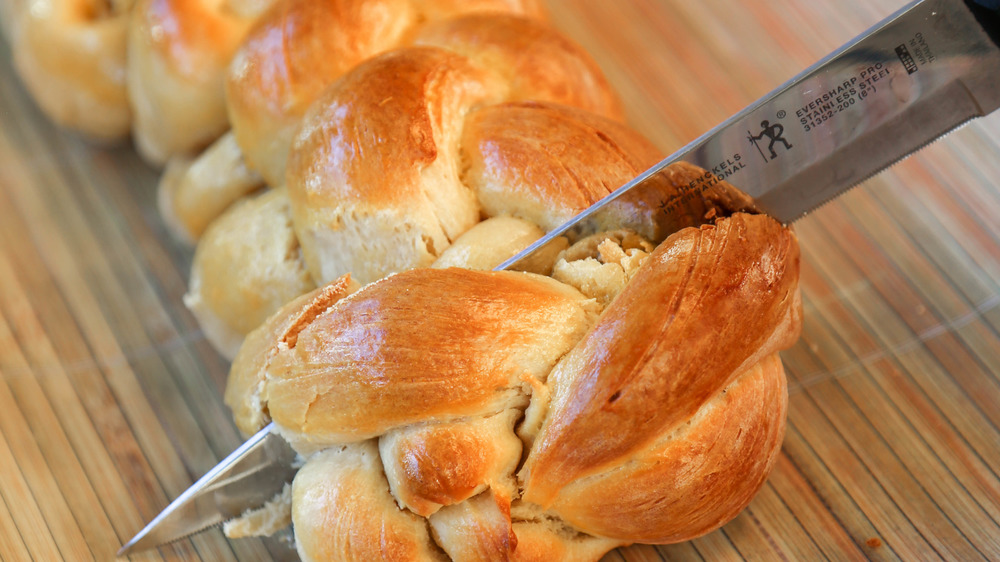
915 76
248 477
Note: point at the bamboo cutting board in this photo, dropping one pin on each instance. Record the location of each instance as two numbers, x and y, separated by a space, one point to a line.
110 398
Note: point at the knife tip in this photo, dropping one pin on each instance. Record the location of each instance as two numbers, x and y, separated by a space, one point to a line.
138 543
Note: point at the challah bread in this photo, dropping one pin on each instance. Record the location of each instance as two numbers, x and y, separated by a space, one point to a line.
546 163
438 464
573 183
655 421
287 59
535 62
71 56
371 207
295 51
486 527
405 168
695 480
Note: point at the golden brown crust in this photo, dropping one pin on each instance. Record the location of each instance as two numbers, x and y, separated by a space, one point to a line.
300 47
178 51
190 34
342 510
194 192
536 63
421 345
249 369
395 162
435 465
71 56
708 303
661 435
246 267
406 96
400 203
372 207
695 479
545 163
295 51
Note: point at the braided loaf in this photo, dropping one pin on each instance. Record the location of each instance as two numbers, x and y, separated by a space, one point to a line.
291 55
510 417
381 176
471 415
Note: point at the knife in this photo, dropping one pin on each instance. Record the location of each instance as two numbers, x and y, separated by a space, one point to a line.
918 74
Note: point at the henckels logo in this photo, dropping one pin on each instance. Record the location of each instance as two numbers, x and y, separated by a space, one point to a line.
774 133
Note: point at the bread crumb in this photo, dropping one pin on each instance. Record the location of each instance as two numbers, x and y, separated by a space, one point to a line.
600 266
274 515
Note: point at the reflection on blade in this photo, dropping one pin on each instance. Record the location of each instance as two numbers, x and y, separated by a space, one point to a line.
251 475
897 87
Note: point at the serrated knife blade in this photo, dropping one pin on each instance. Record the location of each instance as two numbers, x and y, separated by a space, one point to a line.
252 474
920 73
913 77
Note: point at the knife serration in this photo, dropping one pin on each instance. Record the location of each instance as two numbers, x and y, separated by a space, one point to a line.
918 74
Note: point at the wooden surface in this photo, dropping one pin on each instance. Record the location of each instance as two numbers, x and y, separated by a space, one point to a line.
110 397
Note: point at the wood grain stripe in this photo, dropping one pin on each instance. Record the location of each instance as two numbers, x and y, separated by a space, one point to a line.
49 522
12 546
51 423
